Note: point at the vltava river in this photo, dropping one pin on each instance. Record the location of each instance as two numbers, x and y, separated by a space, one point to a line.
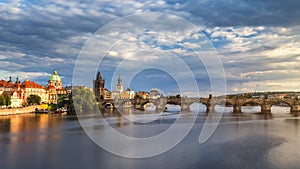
241 141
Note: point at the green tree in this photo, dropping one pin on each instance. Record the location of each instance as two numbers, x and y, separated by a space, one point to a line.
7 99
33 99
84 101
2 100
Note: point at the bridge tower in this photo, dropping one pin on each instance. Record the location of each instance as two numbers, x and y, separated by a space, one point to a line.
99 86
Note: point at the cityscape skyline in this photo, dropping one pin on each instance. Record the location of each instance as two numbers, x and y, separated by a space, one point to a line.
259 53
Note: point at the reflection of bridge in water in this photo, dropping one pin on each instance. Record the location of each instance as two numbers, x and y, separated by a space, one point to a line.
210 103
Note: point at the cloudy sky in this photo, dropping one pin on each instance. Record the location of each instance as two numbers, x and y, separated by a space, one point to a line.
257 41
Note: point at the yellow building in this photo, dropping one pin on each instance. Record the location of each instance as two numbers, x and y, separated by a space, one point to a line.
127 94
32 88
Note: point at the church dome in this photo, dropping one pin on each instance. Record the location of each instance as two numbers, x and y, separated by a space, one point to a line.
55 77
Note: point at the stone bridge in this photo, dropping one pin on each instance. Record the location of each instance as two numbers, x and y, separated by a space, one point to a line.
264 103
210 103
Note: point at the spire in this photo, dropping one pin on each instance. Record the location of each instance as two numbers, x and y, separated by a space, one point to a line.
10 81
99 75
119 80
17 79
55 72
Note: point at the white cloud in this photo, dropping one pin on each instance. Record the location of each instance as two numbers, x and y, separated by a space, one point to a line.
113 53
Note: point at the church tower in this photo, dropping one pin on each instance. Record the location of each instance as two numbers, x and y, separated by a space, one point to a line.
55 80
99 86
119 86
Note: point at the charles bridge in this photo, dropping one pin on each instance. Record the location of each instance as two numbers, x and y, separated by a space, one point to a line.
210 103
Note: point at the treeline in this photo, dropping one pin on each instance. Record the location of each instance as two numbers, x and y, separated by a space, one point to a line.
80 101
5 100
176 96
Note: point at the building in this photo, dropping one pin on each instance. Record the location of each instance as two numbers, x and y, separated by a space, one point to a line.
16 99
154 94
119 89
19 92
115 95
13 90
31 88
55 88
52 95
99 83
119 86
106 94
142 94
127 94
56 82
281 96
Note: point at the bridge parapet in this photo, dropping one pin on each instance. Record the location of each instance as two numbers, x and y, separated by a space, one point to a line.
237 103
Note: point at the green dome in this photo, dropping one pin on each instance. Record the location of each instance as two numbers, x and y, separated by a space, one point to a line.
54 77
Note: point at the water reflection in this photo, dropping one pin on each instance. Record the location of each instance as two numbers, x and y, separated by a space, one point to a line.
246 140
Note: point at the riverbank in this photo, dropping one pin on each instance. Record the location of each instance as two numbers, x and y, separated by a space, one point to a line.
23 110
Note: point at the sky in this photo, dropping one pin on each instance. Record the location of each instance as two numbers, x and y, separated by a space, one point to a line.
257 42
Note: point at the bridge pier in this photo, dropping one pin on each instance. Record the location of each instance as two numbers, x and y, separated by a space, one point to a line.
185 107
237 109
210 108
266 108
295 109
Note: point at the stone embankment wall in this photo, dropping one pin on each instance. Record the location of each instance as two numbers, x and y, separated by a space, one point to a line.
23 110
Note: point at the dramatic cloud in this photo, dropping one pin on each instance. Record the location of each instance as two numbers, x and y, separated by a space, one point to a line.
258 41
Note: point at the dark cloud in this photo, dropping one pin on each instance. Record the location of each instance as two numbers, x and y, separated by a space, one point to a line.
50 34
245 12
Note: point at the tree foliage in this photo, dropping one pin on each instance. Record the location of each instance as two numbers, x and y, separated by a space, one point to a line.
5 100
177 96
33 99
2 100
84 101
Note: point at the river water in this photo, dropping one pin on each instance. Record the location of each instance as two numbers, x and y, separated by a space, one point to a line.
248 140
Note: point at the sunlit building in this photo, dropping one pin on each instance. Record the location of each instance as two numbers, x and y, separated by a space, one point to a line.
127 94
142 94
154 94
119 89
19 92
106 94
56 82
16 99
119 86
32 88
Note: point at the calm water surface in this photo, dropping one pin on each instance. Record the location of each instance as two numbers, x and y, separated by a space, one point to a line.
243 141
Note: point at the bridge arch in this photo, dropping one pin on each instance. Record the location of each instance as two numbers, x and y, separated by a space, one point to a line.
197 106
275 102
108 105
286 106
251 106
149 106
172 108
251 102
172 102
227 106
147 102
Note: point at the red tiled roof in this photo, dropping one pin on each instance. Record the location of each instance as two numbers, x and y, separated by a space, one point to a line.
3 83
31 84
